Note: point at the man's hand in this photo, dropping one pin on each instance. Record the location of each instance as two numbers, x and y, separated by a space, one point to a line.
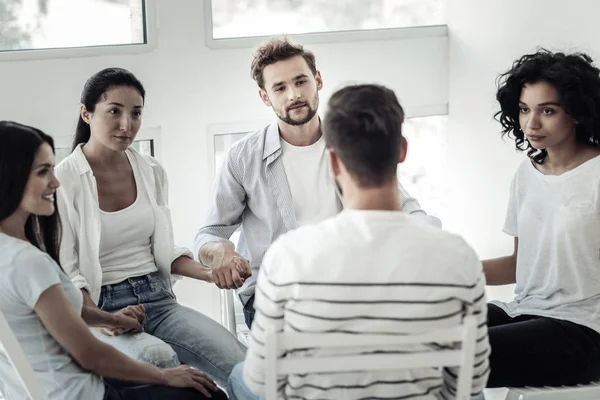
128 320
229 269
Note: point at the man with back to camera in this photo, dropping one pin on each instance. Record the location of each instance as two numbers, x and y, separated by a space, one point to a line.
276 179
369 269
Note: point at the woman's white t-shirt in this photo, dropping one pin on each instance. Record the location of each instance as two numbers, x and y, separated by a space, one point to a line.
25 273
557 221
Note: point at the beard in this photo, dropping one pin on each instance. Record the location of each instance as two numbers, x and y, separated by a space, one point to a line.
287 118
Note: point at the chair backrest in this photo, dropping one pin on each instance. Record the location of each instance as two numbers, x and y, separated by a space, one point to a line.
19 361
461 357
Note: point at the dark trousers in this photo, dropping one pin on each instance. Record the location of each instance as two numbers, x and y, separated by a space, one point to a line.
119 390
249 311
537 351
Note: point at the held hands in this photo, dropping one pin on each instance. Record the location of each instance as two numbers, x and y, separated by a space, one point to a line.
185 376
128 320
230 269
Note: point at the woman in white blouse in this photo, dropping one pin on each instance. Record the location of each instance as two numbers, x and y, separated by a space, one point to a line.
117 235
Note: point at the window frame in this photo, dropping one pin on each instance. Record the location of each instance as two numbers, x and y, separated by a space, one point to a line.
416 32
150 22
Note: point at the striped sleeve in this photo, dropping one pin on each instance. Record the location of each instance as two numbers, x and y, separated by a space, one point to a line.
268 303
227 205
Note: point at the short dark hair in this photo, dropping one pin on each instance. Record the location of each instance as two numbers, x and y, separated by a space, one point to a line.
278 50
19 145
93 90
363 125
575 78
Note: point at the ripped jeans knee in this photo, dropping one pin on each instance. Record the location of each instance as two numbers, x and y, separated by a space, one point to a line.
142 347
160 355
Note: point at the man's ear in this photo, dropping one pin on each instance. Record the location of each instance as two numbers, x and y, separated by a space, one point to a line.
85 114
319 80
264 97
334 162
403 150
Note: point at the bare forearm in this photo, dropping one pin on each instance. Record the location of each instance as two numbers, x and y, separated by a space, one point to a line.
208 251
111 363
185 266
500 271
94 316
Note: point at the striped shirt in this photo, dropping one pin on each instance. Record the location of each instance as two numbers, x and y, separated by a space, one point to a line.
251 191
368 272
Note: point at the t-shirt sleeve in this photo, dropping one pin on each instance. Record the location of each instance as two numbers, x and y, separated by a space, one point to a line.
33 273
512 212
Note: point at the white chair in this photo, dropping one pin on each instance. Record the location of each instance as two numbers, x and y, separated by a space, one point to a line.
11 347
463 357
580 392
228 311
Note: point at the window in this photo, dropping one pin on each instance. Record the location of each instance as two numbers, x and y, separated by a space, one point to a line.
422 173
144 146
60 24
249 18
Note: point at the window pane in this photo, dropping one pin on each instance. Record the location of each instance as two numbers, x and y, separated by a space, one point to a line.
243 18
222 144
51 24
422 173
143 146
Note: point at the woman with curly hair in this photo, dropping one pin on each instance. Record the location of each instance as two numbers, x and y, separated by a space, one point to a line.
549 334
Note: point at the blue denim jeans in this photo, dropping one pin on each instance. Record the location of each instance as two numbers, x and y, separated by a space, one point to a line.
196 339
249 312
236 388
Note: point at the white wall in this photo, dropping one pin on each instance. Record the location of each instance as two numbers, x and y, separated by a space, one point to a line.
190 87
485 37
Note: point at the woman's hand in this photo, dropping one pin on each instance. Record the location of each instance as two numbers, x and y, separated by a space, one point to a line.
185 266
128 320
185 376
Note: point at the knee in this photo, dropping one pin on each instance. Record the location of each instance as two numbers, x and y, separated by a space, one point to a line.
236 378
159 354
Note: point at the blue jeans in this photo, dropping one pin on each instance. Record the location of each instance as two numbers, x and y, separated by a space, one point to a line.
194 338
236 388
249 312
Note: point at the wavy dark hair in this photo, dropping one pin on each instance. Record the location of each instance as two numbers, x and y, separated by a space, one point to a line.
575 78
278 49
18 147
93 90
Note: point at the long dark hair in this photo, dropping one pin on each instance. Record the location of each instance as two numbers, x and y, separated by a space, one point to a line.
575 78
18 147
93 90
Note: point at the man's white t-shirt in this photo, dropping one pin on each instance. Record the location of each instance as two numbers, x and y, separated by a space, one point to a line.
312 188
557 221
364 272
25 273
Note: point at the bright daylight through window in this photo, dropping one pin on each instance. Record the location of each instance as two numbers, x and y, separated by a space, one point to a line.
245 18
55 24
